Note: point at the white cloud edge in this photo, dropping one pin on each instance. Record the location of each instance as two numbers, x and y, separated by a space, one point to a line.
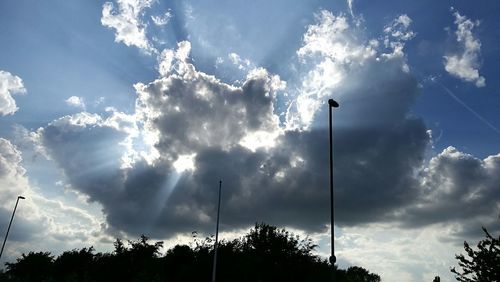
126 20
9 84
465 64
76 101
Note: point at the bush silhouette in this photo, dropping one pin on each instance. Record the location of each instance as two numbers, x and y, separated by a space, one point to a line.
32 267
266 253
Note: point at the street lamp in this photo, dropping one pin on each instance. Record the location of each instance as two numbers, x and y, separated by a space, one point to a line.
214 270
331 104
8 228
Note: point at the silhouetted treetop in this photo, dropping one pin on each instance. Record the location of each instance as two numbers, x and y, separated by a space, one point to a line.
266 253
32 267
480 265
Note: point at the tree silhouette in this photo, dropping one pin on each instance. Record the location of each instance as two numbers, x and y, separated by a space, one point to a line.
481 265
266 253
137 262
357 274
31 267
74 265
273 254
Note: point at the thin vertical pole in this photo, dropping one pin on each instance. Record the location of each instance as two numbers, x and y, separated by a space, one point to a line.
333 259
214 270
8 228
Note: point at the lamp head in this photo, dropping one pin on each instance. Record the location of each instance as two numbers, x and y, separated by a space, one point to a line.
21 197
333 103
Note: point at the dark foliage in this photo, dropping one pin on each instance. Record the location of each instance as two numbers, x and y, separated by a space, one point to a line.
482 265
357 274
74 265
32 267
266 253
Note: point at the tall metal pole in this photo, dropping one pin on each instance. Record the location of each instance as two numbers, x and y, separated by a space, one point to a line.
214 270
333 259
10 223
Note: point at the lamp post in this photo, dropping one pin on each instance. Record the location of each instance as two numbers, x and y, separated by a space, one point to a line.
214 270
10 223
331 104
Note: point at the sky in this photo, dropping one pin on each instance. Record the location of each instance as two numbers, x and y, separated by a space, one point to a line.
119 119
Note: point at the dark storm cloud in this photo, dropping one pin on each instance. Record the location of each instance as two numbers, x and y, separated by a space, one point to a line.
284 184
289 184
281 178
86 147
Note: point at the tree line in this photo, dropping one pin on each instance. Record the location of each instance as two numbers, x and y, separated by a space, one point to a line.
265 253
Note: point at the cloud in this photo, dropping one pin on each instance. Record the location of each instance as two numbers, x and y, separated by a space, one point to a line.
76 102
332 50
349 5
163 19
126 20
396 34
458 187
338 58
399 28
13 183
11 171
465 63
270 172
40 223
186 112
238 61
156 171
399 254
9 84
233 67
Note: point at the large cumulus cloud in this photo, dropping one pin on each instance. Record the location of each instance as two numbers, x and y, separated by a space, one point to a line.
185 113
156 171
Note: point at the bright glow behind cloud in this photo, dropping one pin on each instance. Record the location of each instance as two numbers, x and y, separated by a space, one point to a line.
334 50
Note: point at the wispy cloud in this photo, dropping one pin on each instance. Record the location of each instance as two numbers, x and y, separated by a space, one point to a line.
162 20
465 63
349 4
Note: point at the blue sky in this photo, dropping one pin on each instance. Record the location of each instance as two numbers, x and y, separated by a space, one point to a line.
130 104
